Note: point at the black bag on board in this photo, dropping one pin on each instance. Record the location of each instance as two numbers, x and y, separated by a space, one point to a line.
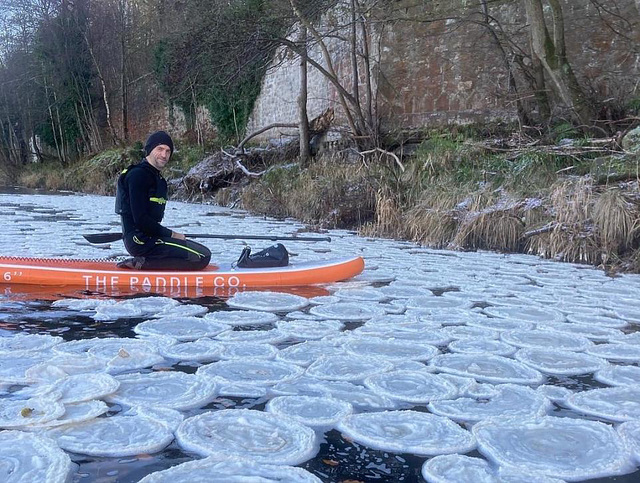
274 256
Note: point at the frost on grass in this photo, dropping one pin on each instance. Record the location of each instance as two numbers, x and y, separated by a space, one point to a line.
174 390
220 469
506 400
29 458
313 411
255 435
242 317
563 448
487 368
347 311
114 436
267 301
559 362
613 403
407 432
180 328
416 387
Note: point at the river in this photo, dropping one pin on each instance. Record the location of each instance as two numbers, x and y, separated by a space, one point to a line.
527 364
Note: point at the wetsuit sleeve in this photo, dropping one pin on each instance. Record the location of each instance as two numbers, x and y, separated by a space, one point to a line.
139 185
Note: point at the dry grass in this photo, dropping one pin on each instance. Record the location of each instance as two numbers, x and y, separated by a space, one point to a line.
616 219
389 220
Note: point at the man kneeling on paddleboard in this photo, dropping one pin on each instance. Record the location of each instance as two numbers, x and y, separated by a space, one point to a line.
141 198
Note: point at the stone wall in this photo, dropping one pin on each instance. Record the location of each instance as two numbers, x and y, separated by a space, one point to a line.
451 71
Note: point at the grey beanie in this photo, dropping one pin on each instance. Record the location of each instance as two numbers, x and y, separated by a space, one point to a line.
156 139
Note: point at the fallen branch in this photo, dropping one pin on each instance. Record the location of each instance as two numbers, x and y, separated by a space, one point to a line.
545 229
246 171
240 147
388 153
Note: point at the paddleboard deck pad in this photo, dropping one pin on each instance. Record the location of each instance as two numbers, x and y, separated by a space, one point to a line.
103 274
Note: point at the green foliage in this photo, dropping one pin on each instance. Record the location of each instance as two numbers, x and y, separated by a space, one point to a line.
633 106
564 130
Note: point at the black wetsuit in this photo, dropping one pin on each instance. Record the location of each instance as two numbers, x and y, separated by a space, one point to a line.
140 200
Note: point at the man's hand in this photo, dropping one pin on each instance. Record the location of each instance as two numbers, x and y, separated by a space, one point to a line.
179 236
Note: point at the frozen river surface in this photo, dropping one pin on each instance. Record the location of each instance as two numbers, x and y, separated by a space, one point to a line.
431 365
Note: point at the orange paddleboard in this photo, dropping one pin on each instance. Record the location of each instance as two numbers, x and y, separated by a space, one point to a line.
100 275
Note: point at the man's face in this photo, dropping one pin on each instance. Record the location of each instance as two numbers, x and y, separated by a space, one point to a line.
159 157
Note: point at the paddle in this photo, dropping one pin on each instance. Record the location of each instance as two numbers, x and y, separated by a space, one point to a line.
112 237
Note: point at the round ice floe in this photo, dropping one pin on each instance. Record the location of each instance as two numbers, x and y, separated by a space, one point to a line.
526 313
431 302
169 417
506 400
374 276
313 411
180 328
616 352
417 387
613 403
419 333
557 394
113 347
628 314
460 468
29 458
309 329
58 366
324 299
614 375
174 390
391 350
347 367
595 333
443 316
115 436
255 372
468 332
545 339
19 413
73 414
487 368
482 346
81 304
183 310
500 324
199 350
22 344
362 294
14 369
84 387
397 291
247 350
597 321
559 362
221 469
407 432
347 311
571 449
271 336
633 339
630 433
256 435
242 317
308 352
267 301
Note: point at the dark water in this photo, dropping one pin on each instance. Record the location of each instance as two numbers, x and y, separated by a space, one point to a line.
338 459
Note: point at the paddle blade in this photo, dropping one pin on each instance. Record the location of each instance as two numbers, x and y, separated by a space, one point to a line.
102 237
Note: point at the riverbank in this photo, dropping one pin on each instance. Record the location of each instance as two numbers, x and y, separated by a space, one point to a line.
568 198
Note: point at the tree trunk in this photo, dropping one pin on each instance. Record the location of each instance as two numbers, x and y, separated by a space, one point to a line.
552 54
124 105
305 149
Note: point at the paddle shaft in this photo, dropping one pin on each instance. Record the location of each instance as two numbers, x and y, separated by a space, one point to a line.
112 237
